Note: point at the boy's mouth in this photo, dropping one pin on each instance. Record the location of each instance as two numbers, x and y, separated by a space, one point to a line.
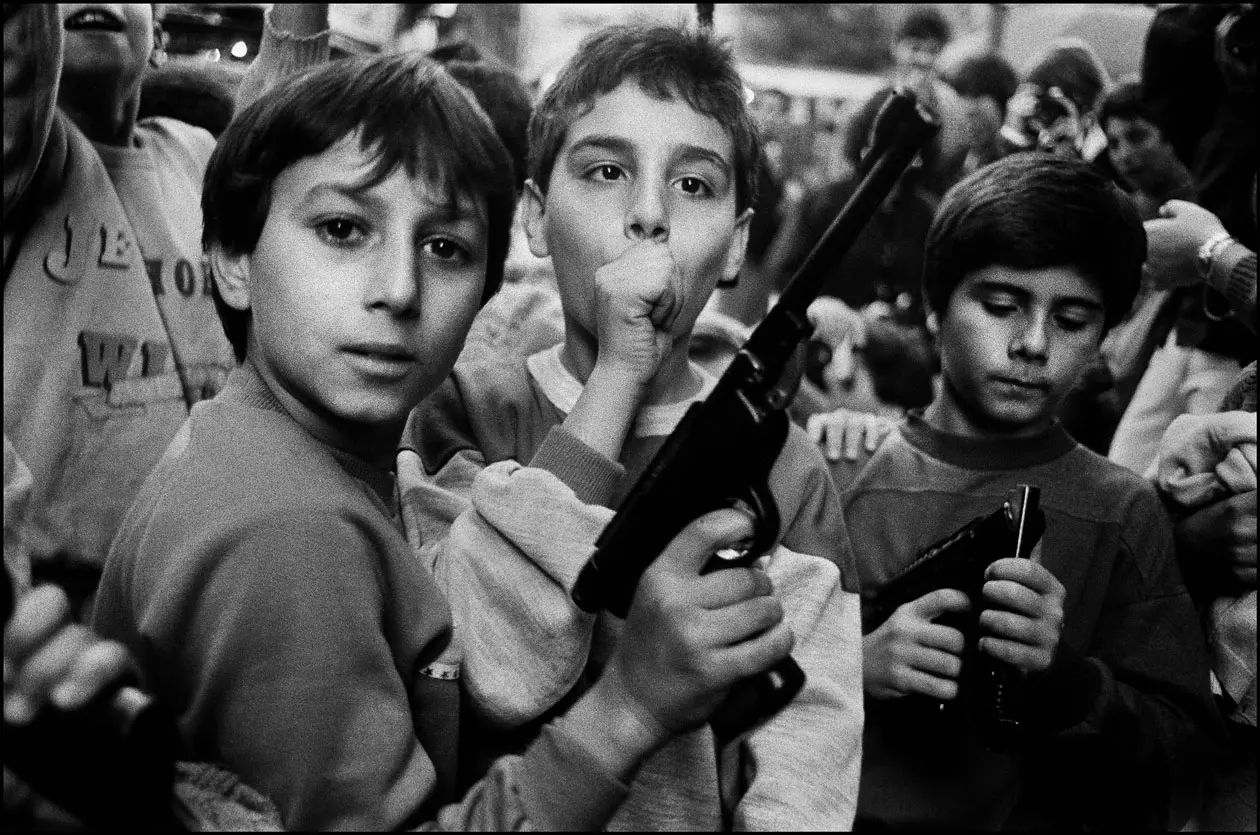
94 20
1021 383
382 360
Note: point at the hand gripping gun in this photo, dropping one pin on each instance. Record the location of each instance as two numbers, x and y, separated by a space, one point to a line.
990 692
721 453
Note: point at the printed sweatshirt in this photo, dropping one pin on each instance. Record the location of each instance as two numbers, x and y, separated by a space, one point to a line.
110 328
1124 718
264 587
505 506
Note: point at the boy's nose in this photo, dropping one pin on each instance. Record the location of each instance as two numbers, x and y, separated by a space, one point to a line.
395 282
1029 341
646 216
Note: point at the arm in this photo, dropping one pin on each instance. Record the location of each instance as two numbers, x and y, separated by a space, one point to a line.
295 37
505 544
32 71
804 764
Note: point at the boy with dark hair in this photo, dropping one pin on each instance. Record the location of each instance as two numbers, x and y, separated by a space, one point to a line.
1029 261
642 169
355 215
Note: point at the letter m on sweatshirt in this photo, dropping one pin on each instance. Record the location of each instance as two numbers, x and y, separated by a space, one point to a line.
106 357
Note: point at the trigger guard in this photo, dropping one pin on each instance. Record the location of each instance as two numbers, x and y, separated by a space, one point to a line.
760 504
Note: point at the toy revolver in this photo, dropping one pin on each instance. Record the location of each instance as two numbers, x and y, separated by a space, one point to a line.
990 692
722 451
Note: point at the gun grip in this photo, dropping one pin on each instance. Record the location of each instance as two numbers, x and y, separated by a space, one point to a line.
754 700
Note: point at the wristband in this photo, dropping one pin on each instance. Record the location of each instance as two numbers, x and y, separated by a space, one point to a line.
1210 249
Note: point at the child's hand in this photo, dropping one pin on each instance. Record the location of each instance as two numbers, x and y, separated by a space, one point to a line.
1024 626
636 303
845 432
1173 240
688 637
48 658
910 654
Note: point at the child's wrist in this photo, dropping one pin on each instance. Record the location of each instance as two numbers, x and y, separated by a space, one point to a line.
613 728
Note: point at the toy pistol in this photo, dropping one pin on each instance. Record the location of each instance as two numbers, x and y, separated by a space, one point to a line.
722 451
990 692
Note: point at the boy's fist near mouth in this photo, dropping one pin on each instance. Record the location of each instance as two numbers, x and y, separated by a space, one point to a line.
636 304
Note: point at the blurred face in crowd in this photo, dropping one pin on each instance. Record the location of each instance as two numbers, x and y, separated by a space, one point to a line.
1140 153
637 169
106 43
916 56
1013 343
984 120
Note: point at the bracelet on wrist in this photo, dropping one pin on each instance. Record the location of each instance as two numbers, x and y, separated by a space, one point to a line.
1209 251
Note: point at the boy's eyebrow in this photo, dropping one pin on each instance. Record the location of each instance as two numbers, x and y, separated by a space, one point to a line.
362 194
618 145
1016 290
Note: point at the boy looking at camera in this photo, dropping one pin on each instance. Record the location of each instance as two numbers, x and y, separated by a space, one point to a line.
641 176
357 217
1028 262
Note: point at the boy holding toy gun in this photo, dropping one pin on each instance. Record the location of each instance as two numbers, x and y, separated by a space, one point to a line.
641 176
1028 262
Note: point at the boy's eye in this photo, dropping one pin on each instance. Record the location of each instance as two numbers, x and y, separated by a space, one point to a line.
607 172
444 249
1000 307
340 231
1071 323
694 185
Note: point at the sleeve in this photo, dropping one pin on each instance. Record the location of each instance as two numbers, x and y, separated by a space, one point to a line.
32 71
1234 275
803 766
555 786
290 674
809 503
505 544
280 55
1131 720
305 700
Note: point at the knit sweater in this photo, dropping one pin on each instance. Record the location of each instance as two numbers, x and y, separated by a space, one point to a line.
264 587
1121 719
506 505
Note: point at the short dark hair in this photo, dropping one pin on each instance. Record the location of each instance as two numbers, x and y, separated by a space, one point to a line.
926 24
1126 100
408 113
1033 211
667 62
986 74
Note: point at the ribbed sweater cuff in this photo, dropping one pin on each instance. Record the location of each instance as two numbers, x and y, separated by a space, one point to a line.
563 787
1066 693
1234 274
295 52
592 476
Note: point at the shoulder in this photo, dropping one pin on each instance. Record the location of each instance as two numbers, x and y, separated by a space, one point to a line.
480 400
178 140
1100 487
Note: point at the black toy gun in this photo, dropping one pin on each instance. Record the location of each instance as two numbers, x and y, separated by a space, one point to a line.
110 763
990 692
721 453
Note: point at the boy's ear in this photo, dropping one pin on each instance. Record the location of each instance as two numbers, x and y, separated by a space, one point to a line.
738 246
535 219
231 277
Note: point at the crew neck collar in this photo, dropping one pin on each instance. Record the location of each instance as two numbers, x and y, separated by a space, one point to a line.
987 453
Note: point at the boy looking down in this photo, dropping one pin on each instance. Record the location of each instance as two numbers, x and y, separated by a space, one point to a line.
1028 262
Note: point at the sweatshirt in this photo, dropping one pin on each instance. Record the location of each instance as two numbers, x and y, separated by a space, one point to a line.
264 587
1121 722
505 505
